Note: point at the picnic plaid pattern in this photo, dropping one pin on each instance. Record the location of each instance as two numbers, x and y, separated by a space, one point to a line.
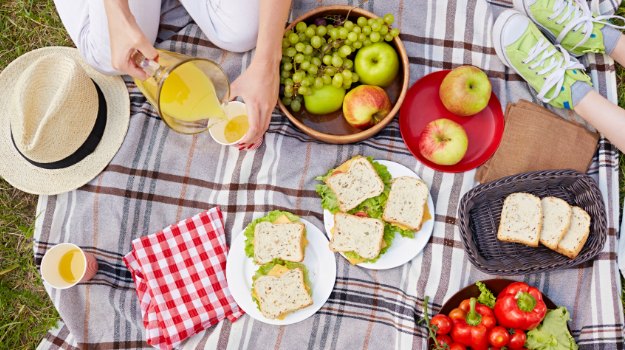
180 277
159 177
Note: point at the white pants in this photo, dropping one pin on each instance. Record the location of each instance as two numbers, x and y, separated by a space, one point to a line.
230 24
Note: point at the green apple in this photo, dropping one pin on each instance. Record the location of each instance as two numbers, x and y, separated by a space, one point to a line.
323 100
365 106
377 64
465 91
443 141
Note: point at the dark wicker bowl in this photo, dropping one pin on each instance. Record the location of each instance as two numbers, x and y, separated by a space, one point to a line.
480 211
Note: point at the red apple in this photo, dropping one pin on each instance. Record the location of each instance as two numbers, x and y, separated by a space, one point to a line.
365 106
465 91
443 141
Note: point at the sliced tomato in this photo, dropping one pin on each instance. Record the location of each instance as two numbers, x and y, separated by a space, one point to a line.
362 214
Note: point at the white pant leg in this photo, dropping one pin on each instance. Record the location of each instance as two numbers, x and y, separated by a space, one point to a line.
86 23
230 24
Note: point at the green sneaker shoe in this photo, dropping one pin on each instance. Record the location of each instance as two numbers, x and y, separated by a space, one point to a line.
569 23
522 47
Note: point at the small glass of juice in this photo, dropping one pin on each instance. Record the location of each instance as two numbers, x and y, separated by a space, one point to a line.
236 125
66 264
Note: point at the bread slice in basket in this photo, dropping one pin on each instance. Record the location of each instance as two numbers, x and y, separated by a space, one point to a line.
521 219
556 221
575 238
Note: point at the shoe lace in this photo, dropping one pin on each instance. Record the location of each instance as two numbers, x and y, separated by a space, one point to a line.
551 66
580 17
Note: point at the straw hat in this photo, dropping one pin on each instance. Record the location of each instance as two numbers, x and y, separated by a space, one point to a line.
61 121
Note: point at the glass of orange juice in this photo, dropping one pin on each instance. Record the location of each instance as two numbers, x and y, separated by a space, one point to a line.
187 92
66 264
236 125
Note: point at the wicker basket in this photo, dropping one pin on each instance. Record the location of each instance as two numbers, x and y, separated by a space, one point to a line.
480 211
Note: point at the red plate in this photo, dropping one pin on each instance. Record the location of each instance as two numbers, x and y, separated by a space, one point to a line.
422 105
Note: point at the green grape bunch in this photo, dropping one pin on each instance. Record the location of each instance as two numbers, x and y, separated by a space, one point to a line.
321 53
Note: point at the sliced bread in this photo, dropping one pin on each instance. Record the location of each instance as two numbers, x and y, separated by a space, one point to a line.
351 233
279 241
353 182
406 203
521 219
556 221
575 238
278 296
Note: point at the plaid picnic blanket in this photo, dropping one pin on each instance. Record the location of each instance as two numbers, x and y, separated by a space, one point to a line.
160 177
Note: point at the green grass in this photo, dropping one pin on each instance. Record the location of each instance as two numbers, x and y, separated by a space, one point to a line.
26 312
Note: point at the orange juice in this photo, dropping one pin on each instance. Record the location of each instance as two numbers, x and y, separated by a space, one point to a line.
71 266
236 128
187 94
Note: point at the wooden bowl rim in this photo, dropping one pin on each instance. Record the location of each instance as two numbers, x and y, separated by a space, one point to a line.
365 134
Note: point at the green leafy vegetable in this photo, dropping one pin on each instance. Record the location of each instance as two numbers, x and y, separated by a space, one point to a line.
486 296
271 217
553 333
404 232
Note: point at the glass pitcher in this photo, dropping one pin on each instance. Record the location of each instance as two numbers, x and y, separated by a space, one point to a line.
187 92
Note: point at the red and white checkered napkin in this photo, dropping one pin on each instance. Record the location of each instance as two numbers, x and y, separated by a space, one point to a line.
180 275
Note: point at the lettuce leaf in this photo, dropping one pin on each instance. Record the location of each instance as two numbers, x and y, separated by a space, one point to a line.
486 296
271 217
263 270
404 232
552 333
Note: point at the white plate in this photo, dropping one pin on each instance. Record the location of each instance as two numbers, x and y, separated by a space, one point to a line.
319 261
403 249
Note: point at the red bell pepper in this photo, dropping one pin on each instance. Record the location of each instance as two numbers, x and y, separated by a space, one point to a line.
520 306
473 329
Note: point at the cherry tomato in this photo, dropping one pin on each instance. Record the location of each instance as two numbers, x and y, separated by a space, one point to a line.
443 324
443 340
457 346
457 313
517 339
498 336
465 305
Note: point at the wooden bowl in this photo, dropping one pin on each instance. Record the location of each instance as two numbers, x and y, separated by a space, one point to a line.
332 127
496 285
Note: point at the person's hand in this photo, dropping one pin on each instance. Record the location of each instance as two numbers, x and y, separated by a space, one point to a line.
125 38
258 86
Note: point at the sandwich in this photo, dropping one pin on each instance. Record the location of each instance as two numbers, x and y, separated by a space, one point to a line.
406 206
556 221
278 235
351 183
575 238
280 287
360 239
521 219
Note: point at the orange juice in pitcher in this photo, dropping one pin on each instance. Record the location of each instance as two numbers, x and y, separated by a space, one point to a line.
187 92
